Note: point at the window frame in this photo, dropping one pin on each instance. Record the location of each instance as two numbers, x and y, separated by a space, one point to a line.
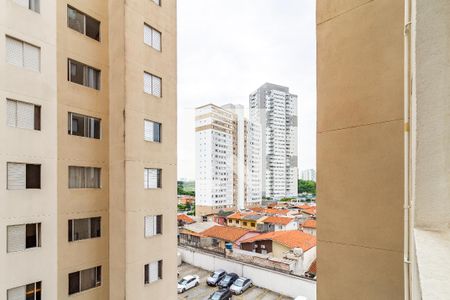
87 125
37 231
98 280
37 115
85 186
158 179
152 76
85 69
85 17
71 229
23 43
159 141
147 272
37 289
151 45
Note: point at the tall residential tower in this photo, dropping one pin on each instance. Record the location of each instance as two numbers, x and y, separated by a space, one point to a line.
87 156
274 110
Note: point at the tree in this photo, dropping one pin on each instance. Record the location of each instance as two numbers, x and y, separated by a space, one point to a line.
306 186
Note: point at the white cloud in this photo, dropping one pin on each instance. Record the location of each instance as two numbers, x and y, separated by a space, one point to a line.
228 48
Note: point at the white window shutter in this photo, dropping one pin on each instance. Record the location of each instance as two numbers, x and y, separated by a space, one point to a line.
16 176
153 271
32 57
145 178
147 35
147 83
156 40
148 131
149 226
156 86
152 178
16 238
158 2
14 52
23 3
18 293
25 115
11 112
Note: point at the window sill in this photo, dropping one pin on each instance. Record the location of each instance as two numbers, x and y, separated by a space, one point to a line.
433 262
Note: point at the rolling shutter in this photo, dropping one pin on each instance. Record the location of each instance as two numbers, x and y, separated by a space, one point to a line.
11 112
147 83
31 57
150 226
25 115
16 238
152 178
147 35
148 131
14 52
153 276
17 293
156 40
16 176
145 178
156 86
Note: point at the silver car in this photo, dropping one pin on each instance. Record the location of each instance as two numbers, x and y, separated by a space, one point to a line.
241 285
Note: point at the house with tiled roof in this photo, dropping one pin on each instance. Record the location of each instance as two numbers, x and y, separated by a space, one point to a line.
184 219
245 220
312 270
281 243
309 226
221 235
190 234
277 223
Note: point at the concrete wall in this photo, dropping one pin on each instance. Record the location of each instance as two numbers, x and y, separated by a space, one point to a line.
29 146
284 284
360 149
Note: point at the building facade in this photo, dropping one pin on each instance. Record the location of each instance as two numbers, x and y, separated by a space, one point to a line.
87 108
308 174
274 109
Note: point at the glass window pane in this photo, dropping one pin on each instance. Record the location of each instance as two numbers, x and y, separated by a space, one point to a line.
77 177
75 20
81 229
74 283
92 28
31 236
33 176
88 279
30 291
95 227
76 72
157 132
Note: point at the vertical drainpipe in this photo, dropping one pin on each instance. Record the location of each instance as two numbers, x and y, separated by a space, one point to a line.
407 238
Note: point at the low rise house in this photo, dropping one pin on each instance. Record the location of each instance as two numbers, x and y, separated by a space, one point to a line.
184 219
274 223
190 234
221 235
312 270
245 220
309 226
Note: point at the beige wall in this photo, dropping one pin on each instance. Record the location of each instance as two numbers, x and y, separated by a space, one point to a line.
360 149
130 154
29 146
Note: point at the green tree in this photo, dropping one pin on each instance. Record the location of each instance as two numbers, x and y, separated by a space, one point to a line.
306 186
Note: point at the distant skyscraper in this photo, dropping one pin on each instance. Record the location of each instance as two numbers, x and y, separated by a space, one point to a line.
224 180
309 174
274 109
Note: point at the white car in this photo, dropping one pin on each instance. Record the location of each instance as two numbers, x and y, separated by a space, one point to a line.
188 282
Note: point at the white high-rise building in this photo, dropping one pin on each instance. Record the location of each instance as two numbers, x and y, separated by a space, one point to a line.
274 109
225 143
308 174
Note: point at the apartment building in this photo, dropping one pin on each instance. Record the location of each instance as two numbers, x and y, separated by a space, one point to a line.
383 115
274 109
308 174
88 107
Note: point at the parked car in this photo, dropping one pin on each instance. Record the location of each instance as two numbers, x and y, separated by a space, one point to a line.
222 294
216 277
241 285
188 282
228 280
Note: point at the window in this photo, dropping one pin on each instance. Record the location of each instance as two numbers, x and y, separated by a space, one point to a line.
84 177
83 74
33 5
157 2
153 272
22 54
84 280
152 37
23 115
85 126
152 131
83 23
82 229
25 292
152 84
23 176
24 236
152 178
153 225
244 223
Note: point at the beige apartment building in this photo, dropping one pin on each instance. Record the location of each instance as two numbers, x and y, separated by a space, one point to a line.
87 149
383 147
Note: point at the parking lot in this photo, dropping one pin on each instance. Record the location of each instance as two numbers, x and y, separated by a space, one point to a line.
203 291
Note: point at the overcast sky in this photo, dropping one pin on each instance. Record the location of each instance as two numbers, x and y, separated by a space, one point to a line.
228 48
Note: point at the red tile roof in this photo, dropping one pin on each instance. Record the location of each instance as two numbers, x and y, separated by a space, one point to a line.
257 209
278 220
313 268
185 218
310 224
290 239
310 211
304 206
274 211
226 233
187 232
